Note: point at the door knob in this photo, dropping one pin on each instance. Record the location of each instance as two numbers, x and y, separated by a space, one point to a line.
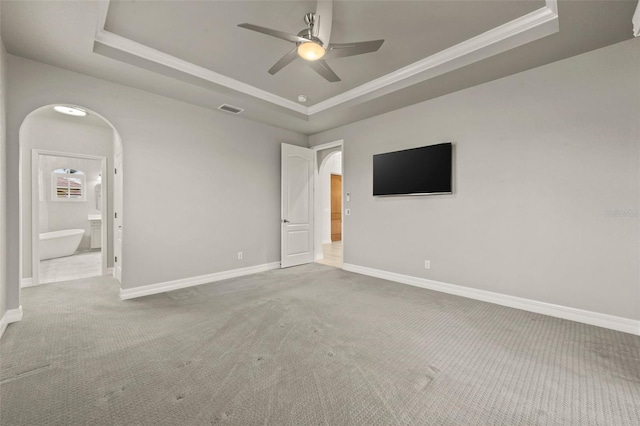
285 221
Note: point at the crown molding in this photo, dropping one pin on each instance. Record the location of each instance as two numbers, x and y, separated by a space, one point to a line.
535 25
140 50
481 47
126 45
103 10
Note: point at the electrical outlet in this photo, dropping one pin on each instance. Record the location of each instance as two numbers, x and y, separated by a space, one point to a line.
348 196
240 255
427 264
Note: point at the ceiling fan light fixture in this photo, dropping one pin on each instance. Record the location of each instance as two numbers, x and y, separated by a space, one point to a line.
311 51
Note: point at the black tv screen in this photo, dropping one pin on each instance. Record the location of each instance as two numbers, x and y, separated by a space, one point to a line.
425 170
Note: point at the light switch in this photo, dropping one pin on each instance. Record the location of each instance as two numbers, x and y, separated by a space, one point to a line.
347 212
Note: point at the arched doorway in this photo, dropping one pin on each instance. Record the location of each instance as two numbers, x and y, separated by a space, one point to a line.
68 198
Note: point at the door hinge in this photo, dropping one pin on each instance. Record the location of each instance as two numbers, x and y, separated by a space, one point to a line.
116 259
115 215
115 171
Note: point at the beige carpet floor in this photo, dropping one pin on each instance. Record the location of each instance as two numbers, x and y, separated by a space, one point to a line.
310 345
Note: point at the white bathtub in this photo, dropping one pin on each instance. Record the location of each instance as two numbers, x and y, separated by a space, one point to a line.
60 243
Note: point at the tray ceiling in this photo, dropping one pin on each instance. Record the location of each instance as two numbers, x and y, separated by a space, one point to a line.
206 34
194 51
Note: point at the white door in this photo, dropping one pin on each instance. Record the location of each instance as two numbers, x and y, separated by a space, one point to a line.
297 205
117 217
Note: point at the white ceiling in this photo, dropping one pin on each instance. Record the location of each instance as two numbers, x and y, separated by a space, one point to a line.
194 51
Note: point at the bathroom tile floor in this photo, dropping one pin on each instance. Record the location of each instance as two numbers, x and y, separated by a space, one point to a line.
80 265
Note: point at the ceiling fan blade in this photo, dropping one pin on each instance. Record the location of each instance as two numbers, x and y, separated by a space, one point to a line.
341 50
273 33
324 16
284 61
322 68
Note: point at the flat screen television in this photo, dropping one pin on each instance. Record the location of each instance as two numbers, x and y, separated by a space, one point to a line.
417 171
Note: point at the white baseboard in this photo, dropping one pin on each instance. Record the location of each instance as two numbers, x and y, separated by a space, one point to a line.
319 257
110 272
588 317
147 290
12 315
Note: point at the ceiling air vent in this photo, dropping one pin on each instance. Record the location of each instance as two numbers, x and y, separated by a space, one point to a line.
230 108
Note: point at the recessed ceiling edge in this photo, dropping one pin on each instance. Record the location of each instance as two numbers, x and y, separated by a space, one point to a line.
535 25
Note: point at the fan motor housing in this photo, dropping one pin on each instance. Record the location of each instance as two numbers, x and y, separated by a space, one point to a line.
306 33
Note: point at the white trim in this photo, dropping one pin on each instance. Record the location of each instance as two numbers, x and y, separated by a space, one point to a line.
588 317
68 154
110 271
479 46
532 26
105 243
103 11
12 315
636 21
35 217
146 290
328 145
145 52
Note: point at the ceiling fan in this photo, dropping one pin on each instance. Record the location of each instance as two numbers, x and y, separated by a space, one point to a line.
312 43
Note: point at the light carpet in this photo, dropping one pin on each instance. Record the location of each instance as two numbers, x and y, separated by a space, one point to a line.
309 345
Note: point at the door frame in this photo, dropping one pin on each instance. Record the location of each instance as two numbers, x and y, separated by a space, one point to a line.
316 188
118 222
35 208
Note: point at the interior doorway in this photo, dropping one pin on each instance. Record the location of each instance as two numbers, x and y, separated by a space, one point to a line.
58 144
329 230
69 240
336 207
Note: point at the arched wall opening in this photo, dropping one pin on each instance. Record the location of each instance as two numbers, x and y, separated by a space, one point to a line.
47 133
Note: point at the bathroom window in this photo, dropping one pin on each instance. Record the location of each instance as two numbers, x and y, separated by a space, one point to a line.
67 185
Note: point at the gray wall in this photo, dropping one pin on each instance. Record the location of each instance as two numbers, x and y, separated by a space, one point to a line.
3 182
199 185
48 130
547 186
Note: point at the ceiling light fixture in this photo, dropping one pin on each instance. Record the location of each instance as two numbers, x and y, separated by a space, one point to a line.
77 112
311 51
302 98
